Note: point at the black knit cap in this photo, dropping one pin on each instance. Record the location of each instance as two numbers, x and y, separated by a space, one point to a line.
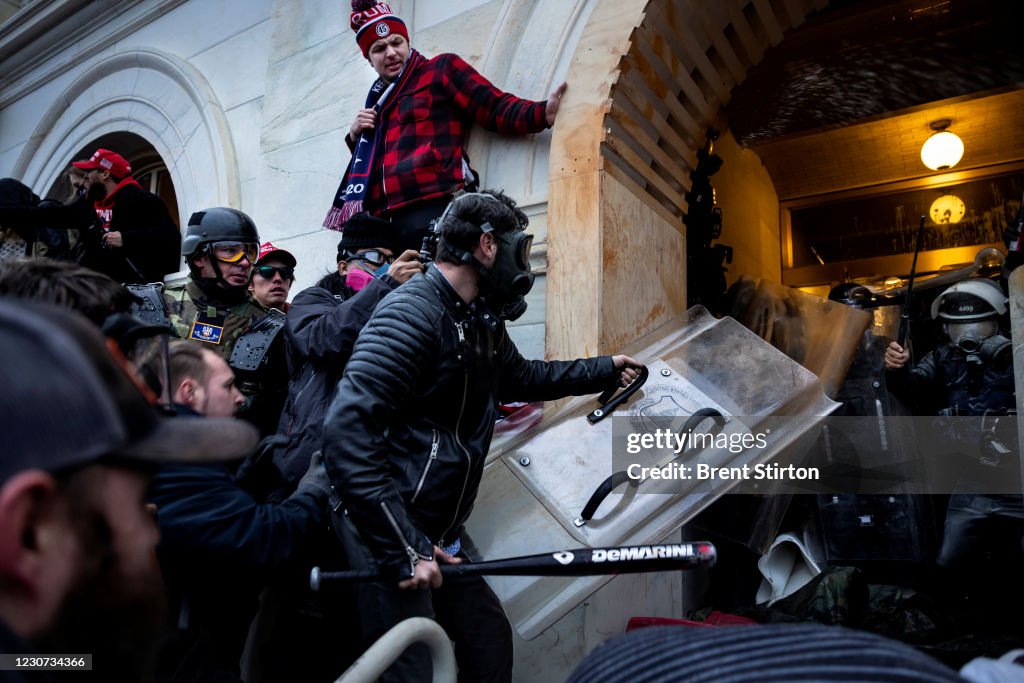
364 231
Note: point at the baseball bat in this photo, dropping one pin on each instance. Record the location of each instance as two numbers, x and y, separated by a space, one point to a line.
630 559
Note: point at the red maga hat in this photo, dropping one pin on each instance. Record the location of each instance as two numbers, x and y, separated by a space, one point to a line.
106 160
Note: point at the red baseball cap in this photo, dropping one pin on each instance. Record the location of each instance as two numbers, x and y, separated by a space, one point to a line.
268 249
106 160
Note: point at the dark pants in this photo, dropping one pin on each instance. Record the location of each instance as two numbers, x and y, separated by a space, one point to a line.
465 607
980 525
413 222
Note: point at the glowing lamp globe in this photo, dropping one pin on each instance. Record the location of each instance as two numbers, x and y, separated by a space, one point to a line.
942 150
947 209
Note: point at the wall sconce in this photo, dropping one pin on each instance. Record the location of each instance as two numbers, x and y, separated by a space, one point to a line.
947 209
943 149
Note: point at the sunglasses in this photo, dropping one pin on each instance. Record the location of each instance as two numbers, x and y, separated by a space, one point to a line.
233 252
287 272
373 257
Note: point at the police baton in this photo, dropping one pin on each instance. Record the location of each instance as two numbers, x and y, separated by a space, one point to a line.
904 331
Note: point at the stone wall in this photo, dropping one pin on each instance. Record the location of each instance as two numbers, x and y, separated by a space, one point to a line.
248 101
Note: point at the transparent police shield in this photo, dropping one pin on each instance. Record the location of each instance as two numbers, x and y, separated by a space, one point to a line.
543 469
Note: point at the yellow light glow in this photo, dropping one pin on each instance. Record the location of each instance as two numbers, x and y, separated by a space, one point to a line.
942 150
892 282
947 209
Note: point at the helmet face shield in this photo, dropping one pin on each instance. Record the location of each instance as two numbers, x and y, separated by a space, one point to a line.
233 252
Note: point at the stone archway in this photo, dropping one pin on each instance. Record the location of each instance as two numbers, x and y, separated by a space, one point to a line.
156 96
649 77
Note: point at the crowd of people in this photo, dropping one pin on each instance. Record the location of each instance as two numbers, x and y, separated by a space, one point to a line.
138 415
254 436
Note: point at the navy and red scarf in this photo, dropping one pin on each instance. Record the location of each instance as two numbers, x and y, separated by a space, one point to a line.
348 200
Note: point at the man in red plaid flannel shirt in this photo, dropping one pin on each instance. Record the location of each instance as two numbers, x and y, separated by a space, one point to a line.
419 156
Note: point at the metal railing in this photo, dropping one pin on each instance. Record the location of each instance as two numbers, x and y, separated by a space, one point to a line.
392 644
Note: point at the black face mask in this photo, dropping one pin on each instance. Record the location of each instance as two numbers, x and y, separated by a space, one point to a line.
506 284
97 192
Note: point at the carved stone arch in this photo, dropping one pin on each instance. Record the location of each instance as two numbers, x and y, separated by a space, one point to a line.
647 79
156 96
528 54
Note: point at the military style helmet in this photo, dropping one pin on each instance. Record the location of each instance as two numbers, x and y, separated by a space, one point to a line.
218 224
970 300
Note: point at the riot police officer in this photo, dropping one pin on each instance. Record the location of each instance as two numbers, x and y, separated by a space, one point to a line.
972 373
971 376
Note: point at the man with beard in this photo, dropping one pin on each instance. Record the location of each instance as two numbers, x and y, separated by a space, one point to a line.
77 565
136 241
214 307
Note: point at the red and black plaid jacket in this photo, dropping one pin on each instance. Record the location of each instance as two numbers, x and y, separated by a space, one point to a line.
425 132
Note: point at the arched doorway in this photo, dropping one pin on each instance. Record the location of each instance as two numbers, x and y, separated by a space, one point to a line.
146 102
148 167
647 79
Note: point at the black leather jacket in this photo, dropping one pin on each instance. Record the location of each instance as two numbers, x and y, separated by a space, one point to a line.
407 434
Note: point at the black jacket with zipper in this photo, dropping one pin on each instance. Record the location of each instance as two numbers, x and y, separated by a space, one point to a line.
407 434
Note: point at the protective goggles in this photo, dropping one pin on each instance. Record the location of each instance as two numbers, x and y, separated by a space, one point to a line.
268 272
233 252
373 257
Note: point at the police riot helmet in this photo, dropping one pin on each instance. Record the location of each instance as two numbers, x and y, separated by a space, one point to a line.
219 224
970 300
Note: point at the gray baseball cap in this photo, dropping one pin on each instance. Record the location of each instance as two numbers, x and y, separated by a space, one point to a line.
68 397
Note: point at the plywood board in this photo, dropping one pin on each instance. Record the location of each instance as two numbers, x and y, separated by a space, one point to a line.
574 266
576 136
643 274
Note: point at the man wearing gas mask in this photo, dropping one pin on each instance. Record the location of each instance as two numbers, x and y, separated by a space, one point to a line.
971 379
407 434
973 373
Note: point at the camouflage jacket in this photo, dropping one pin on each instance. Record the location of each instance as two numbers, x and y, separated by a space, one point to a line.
197 315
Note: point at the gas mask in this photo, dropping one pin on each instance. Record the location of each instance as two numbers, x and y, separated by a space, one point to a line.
506 284
979 340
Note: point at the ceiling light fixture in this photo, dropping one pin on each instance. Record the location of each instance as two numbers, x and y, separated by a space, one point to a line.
943 149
